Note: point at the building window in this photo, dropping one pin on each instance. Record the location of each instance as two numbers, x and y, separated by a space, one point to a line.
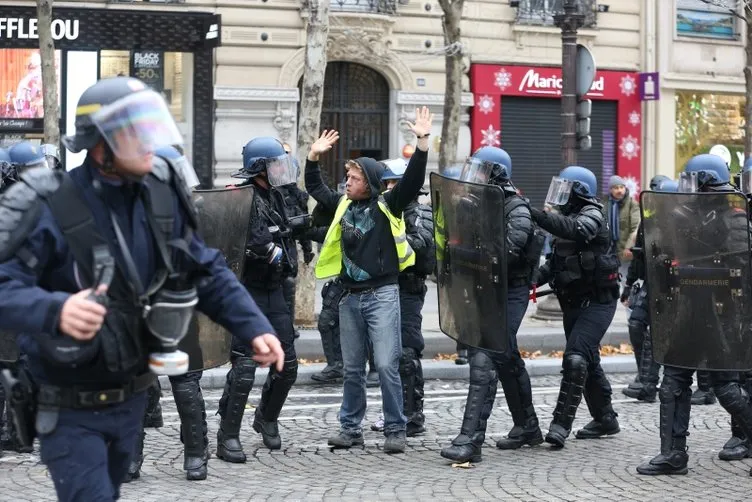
714 19
163 71
375 6
542 12
21 83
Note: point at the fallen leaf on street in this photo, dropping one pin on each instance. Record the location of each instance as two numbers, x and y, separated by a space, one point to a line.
445 357
305 362
464 465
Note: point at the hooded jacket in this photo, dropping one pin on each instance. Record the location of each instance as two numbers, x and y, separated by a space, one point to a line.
369 258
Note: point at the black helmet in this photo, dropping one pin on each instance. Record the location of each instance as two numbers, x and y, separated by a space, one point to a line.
266 154
127 114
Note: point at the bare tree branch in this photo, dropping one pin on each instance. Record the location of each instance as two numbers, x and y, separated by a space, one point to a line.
724 5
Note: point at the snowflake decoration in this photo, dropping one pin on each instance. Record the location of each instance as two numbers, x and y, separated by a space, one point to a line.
634 118
503 79
629 147
491 137
632 185
486 104
627 85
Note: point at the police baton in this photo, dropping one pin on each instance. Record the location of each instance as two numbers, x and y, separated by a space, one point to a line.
534 294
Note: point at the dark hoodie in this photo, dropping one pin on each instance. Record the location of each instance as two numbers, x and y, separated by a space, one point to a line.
369 257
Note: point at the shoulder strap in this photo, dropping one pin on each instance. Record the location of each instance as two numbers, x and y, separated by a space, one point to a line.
512 203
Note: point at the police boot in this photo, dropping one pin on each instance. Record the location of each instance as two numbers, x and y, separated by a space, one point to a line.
734 398
193 431
736 448
153 418
519 395
231 408
704 393
467 446
598 398
636 338
334 370
134 469
673 458
648 372
408 368
570 395
273 397
461 357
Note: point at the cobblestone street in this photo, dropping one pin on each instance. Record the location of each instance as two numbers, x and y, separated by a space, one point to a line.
305 469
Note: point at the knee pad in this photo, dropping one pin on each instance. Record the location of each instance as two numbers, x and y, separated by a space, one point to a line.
732 397
637 331
575 364
670 390
290 371
482 370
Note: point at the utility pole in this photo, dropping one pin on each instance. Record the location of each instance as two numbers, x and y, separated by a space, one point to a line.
549 309
569 22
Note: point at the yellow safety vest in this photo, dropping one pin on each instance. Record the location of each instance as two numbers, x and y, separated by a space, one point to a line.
439 232
330 259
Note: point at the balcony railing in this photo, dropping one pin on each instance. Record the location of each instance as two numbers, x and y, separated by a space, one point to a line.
387 7
146 1
542 12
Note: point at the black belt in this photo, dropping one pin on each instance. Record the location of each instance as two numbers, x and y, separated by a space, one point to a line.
78 397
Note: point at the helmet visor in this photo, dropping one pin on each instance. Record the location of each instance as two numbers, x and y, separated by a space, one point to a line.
688 183
281 170
476 171
746 182
558 191
137 125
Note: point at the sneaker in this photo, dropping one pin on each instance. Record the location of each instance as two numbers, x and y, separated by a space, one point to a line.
395 442
378 425
345 440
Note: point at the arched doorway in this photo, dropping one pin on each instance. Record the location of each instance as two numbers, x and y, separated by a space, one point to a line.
356 103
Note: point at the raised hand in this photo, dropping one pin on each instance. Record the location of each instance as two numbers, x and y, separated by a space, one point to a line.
325 142
423 121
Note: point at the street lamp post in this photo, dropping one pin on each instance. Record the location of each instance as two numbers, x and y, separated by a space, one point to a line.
569 21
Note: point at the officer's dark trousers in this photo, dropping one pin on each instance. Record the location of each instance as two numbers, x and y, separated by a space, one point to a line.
585 324
641 340
89 451
676 396
241 377
411 368
329 323
488 368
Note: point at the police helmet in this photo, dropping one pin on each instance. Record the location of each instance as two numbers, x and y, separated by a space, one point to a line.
26 155
657 180
4 155
51 155
133 119
704 171
722 152
267 154
668 185
395 169
488 164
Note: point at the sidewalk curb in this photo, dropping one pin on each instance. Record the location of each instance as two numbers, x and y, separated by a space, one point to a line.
432 370
545 339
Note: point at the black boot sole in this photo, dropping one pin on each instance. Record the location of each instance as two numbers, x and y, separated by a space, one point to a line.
277 445
555 440
229 457
587 435
196 474
516 444
472 458
679 472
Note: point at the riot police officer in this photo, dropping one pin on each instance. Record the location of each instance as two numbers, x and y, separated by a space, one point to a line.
493 165
644 387
26 155
270 258
92 308
726 229
584 272
52 156
186 388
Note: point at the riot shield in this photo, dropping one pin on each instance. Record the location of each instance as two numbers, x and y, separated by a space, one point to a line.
471 262
223 216
698 273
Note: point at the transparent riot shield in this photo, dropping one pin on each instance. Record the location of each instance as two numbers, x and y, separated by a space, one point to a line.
223 216
471 262
697 254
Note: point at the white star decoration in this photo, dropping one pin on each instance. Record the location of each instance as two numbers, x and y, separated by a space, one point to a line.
634 118
485 104
632 185
627 85
629 147
503 79
491 137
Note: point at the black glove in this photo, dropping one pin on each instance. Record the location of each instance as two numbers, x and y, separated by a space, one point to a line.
308 257
536 213
536 278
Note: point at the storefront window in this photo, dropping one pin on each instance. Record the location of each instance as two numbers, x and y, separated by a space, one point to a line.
21 83
716 19
704 120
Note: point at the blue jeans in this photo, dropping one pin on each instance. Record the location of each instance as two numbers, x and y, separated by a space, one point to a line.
89 451
372 315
